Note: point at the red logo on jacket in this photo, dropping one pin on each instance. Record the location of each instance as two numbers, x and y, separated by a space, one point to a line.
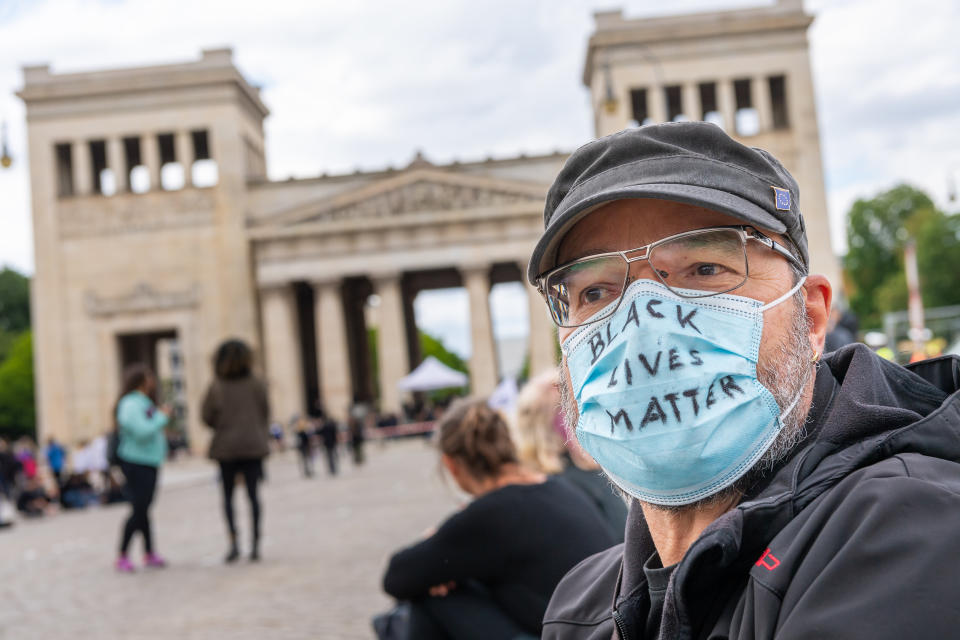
768 561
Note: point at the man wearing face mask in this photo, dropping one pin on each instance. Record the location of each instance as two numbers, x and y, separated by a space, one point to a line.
773 493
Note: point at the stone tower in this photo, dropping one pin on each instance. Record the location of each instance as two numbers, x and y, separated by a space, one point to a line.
746 70
138 185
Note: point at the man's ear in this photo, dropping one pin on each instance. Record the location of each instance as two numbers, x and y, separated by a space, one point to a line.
819 296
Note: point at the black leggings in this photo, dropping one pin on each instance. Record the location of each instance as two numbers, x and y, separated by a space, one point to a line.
252 470
141 487
467 613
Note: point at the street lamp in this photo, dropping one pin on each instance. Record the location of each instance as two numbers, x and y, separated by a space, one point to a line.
5 159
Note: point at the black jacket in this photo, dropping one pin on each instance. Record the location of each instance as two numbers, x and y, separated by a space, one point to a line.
517 541
857 535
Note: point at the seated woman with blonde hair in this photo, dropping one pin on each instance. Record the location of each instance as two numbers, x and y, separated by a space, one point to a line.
545 444
489 570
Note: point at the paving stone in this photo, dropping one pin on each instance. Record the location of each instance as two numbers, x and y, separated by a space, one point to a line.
326 543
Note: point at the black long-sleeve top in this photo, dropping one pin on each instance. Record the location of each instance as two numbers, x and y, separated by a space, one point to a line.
518 541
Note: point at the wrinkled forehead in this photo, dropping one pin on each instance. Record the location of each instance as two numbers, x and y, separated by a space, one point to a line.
627 224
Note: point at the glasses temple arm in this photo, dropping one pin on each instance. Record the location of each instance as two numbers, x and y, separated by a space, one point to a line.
776 246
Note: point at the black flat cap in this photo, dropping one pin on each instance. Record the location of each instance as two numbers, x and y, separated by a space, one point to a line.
692 162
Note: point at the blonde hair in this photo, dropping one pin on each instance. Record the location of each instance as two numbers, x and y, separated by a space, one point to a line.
539 445
477 437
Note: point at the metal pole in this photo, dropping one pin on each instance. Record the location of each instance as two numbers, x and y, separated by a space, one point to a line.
915 301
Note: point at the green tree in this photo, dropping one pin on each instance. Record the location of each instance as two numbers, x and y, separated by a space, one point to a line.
14 308
938 256
877 230
14 301
17 413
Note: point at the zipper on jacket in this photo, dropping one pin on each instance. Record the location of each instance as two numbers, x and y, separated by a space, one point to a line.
618 619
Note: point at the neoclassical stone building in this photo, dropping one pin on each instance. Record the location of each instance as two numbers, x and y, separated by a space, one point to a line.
155 223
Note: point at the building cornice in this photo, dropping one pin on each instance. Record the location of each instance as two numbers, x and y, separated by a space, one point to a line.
215 67
615 31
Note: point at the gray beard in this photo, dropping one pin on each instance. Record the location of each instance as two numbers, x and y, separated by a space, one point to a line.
786 373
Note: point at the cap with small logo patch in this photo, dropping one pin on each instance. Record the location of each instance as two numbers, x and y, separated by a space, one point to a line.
691 162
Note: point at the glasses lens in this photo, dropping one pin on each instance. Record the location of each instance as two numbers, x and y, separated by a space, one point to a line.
581 289
712 262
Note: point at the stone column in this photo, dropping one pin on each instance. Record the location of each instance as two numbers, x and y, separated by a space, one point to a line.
82 168
657 103
542 342
281 352
183 148
115 162
690 100
392 360
150 156
333 359
760 95
483 357
727 103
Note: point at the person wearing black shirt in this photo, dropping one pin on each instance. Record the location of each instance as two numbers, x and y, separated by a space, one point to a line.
489 570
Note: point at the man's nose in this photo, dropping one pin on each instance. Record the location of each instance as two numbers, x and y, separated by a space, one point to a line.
642 270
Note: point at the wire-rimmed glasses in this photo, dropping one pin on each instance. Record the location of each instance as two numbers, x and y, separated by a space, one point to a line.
693 264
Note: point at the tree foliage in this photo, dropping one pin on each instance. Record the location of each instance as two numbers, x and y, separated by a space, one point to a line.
14 301
877 230
17 413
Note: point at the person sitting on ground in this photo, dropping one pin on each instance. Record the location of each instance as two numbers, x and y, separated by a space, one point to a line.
540 433
78 492
34 501
489 570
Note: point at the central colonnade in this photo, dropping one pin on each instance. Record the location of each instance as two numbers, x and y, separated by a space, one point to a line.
330 368
317 265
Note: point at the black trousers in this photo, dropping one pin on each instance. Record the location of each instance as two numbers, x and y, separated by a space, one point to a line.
331 459
467 613
141 487
306 462
252 471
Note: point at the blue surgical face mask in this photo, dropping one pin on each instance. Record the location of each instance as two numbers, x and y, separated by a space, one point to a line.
667 391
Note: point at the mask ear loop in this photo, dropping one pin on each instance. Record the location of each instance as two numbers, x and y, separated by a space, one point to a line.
788 294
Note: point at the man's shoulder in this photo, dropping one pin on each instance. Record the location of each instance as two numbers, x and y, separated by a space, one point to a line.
582 603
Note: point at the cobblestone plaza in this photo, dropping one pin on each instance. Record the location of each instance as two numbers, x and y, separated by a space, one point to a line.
325 547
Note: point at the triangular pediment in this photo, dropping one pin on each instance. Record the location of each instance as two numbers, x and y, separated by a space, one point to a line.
412 192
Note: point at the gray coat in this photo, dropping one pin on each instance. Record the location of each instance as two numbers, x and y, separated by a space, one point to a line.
239 413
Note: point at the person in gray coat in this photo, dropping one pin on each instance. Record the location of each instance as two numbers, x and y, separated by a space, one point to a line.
237 409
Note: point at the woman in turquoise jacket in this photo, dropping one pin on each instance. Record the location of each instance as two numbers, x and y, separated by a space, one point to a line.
142 449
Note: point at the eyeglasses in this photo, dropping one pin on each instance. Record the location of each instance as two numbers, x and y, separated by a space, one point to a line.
694 264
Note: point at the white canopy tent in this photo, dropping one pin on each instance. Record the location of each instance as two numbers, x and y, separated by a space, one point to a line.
430 375
504 397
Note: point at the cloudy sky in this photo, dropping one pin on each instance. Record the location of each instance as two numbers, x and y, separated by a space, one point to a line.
365 84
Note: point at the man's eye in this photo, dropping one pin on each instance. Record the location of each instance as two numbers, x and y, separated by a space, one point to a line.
594 294
711 269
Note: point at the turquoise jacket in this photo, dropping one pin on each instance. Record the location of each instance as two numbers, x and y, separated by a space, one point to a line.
141 430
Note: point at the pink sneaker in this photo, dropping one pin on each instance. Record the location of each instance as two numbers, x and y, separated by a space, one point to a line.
154 561
124 565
